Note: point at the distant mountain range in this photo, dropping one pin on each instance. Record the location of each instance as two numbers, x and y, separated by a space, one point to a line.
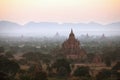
53 27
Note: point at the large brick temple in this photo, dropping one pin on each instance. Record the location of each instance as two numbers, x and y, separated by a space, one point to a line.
72 49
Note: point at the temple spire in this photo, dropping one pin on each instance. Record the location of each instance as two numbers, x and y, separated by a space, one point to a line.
71 30
71 36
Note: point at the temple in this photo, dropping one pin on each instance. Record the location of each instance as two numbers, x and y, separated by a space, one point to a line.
72 49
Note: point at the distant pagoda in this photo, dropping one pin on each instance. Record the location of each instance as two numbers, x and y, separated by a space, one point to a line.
71 48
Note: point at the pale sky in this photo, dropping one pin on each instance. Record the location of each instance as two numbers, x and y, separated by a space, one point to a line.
23 11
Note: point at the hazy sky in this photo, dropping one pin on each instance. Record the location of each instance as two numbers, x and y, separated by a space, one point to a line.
23 11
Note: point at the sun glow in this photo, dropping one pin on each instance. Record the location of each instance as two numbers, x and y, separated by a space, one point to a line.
23 11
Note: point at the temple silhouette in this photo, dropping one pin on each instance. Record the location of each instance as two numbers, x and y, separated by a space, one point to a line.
72 49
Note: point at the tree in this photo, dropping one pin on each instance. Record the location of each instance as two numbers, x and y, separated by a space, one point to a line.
72 66
63 67
9 55
108 62
82 72
115 75
8 66
41 76
3 76
49 70
111 53
37 73
116 67
25 77
104 74
2 49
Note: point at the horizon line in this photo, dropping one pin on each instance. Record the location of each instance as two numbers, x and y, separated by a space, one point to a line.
87 22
